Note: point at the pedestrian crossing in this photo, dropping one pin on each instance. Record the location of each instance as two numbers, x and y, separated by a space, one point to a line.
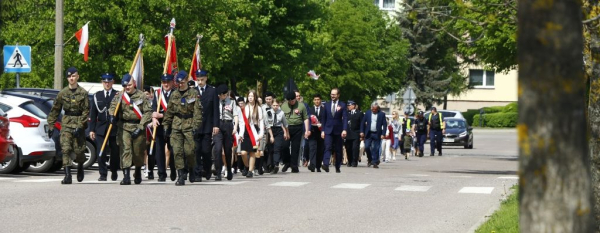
481 190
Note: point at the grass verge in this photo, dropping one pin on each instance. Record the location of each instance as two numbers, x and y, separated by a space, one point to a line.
505 219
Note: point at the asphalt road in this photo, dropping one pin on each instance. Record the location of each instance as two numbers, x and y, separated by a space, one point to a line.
451 193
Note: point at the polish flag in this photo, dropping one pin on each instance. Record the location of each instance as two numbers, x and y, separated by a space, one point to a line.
83 37
196 63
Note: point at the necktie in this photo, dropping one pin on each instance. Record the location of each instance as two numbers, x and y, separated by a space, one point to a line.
201 91
333 108
105 94
317 110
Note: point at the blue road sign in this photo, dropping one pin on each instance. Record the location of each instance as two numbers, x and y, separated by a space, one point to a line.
17 59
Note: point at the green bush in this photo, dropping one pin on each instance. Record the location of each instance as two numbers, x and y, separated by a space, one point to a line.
512 107
498 120
469 115
493 109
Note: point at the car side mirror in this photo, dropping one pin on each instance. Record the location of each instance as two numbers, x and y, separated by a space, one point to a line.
470 128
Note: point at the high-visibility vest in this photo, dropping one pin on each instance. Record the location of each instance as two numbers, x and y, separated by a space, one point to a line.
408 125
441 121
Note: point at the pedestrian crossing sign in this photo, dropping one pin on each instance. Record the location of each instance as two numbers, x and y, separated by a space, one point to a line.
17 59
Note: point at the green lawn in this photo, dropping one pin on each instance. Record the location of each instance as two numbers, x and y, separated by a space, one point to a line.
505 219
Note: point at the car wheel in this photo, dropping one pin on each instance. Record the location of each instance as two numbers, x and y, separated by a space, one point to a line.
20 169
471 146
41 166
10 165
90 155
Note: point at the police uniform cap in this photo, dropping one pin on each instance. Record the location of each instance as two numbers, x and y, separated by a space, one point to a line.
71 70
181 76
290 95
126 79
222 89
202 73
420 113
351 102
166 77
107 77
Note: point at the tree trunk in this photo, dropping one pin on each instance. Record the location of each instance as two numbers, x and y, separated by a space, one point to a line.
445 101
555 182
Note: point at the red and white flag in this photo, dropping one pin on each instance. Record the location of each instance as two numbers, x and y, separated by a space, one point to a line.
138 71
163 100
196 63
136 110
172 63
83 37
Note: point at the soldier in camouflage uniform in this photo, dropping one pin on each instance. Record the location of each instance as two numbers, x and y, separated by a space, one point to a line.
134 114
182 118
74 101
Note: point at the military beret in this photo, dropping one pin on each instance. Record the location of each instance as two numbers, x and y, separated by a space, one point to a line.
126 79
71 70
166 77
181 76
202 73
290 95
222 89
107 77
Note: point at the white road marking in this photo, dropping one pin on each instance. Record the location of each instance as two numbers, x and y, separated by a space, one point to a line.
40 180
509 177
219 183
289 184
418 175
477 190
411 188
460 176
350 186
97 182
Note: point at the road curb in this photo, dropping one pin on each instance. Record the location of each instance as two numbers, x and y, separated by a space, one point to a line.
491 211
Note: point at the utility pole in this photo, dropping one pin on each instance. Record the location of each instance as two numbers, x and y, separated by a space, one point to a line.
58 46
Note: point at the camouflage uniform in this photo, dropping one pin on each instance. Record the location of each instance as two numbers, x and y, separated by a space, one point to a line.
183 115
76 105
132 149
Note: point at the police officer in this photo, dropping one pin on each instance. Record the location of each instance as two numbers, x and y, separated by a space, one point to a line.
436 130
352 142
134 114
181 120
99 124
209 127
164 93
73 99
224 139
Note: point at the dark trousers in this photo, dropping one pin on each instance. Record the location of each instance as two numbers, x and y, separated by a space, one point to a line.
317 148
435 140
223 141
276 146
114 159
291 158
421 139
352 150
333 142
160 153
203 153
373 144
306 149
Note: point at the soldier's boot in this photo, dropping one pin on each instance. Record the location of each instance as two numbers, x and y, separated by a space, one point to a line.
137 176
192 176
68 179
126 179
180 180
80 172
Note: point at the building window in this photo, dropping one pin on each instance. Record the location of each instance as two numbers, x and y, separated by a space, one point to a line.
385 4
481 78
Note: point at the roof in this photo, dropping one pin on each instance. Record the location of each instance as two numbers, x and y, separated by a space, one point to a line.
13 100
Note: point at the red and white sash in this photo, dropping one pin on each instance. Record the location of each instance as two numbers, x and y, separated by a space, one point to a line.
163 100
251 130
136 110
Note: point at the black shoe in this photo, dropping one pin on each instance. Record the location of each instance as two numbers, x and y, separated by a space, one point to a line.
337 170
192 176
162 178
318 169
180 180
369 164
208 175
354 165
218 177
80 171
375 166
275 170
311 168
114 176
440 154
68 179
432 154
244 172
151 175
229 174
349 164
102 178
137 175
261 171
250 174
173 175
295 170
378 163
126 179
285 168
325 168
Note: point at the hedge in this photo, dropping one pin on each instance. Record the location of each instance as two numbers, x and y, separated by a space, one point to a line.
497 120
469 115
512 107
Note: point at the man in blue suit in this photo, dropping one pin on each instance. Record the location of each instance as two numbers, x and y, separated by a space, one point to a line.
373 129
334 123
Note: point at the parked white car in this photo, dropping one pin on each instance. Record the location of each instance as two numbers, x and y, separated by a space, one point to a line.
28 128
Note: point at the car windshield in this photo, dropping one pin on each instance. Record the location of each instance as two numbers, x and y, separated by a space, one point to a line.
455 124
31 108
448 114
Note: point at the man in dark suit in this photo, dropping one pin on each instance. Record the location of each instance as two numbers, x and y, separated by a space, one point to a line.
99 122
373 129
316 143
210 126
353 138
164 93
335 123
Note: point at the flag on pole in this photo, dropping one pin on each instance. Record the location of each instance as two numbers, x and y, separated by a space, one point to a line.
196 63
138 71
172 63
83 37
